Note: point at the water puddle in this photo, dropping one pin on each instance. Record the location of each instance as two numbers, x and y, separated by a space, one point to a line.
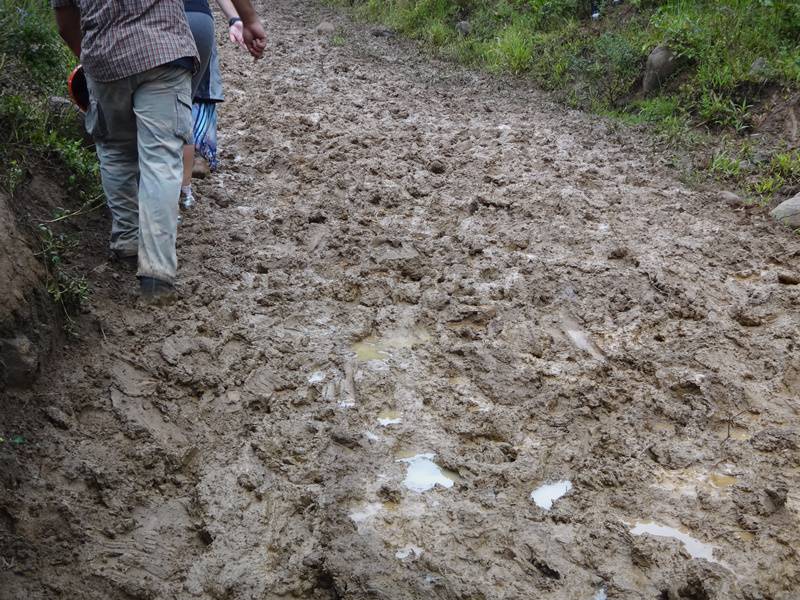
381 348
580 338
694 547
372 437
389 417
545 495
740 434
409 551
366 512
316 377
689 481
600 594
720 480
423 474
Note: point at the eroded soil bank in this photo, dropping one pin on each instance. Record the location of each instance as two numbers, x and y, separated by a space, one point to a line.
414 296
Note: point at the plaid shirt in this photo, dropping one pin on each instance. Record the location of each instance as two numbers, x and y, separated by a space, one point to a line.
125 37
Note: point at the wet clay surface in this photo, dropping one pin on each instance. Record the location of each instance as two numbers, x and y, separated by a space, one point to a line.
414 296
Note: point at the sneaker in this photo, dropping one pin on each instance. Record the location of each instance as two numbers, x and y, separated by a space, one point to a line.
156 291
187 201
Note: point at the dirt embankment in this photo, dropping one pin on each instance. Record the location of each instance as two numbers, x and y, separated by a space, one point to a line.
414 297
28 321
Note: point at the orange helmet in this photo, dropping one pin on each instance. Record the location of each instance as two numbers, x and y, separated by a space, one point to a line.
78 88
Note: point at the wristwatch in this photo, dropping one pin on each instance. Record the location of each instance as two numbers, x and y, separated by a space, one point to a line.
232 21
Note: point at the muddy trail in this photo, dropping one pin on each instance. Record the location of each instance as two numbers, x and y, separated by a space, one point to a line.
437 338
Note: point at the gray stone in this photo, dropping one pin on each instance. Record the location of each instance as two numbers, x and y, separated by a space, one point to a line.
661 63
325 28
57 417
730 198
464 28
788 212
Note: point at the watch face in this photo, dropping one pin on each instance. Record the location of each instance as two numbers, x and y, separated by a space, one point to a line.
78 88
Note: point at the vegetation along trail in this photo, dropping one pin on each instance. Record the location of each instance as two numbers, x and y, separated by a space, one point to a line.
413 297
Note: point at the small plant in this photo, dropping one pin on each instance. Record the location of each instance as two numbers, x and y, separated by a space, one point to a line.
338 40
767 187
787 166
67 290
513 51
724 165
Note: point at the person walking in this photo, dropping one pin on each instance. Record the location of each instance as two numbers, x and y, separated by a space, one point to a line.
201 23
138 56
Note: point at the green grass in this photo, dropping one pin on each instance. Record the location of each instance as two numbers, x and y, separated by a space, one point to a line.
34 64
731 54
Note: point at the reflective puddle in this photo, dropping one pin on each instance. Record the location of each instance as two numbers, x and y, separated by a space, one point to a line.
316 377
389 417
720 480
366 512
580 338
382 347
409 551
689 481
694 547
545 495
600 594
423 474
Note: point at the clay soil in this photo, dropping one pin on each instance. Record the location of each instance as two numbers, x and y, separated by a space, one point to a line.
527 293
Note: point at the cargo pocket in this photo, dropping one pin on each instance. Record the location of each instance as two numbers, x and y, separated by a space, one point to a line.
94 122
183 118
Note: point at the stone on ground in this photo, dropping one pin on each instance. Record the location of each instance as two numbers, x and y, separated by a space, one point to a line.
788 212
661 63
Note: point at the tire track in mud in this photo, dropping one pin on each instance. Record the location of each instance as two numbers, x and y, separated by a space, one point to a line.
522 291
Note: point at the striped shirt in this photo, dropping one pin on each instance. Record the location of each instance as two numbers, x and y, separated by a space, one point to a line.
125 37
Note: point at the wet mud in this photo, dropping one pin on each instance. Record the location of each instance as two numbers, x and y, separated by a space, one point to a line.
414 296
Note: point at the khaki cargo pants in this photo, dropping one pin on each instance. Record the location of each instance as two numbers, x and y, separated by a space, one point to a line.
140 125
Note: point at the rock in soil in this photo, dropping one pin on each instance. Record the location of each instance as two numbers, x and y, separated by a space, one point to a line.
788 212
661 63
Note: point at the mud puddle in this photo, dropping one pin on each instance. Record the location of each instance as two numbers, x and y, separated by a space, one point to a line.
380 348
423 474
693 547
545 495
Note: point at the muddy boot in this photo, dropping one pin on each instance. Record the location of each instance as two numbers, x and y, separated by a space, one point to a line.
156 291
129 262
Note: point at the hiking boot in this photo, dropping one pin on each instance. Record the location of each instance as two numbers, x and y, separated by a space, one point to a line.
156 291
128 261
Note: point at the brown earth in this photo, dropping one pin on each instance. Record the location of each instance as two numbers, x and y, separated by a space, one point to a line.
528 289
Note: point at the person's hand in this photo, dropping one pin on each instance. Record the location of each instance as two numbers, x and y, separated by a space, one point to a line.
255 38
235 35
